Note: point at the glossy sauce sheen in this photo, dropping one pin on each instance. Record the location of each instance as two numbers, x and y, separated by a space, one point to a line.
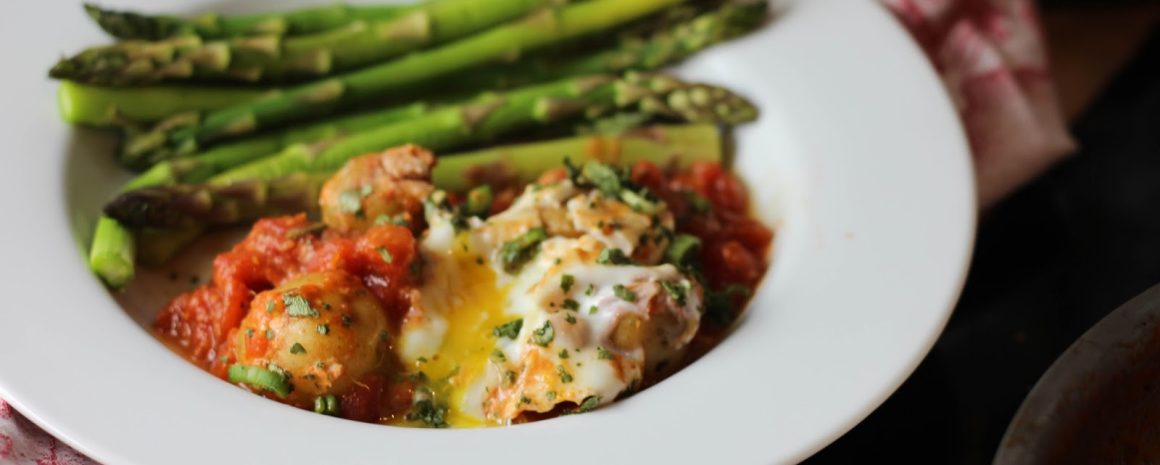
207 324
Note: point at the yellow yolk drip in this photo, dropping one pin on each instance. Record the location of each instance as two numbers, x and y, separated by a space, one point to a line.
468 343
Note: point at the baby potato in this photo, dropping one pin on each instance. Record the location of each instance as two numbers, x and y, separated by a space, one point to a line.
388 186
322 331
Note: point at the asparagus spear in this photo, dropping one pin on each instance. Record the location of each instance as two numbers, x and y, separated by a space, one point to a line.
112 252
663 145
637 52
132 25
485 119
108 106
270 57
191 205
376 82
201 205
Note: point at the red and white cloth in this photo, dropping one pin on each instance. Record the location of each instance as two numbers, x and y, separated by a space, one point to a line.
993 61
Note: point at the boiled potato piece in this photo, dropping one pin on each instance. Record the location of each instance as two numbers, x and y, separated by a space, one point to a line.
324 330
388 186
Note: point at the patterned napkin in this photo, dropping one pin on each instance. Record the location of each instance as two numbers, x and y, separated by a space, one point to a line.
992 59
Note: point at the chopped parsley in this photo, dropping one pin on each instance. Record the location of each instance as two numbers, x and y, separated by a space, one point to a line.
551 396
565 377
563 353
478 202
571 304
544 335
570 319
721 306
269 334
509 376
323 329
602 353
613 256
509 330
386 254
624 293
498 355
249 332
591 290
588 404
297 305
270 306
682 251
297 349
516 252
524 399
350 202
429 413
676 291
566 282
592 310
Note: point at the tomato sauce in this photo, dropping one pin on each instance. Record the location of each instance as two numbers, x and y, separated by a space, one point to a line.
706 200
201 322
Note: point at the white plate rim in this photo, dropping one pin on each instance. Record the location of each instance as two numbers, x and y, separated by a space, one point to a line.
91 405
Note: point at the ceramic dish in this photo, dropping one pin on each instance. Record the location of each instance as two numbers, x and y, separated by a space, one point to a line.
858 160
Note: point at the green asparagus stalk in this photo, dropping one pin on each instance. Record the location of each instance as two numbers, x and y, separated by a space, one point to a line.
203 205
664 145
113 250
191 205
273 58
493 116
136 26
112 106
381 81
648 51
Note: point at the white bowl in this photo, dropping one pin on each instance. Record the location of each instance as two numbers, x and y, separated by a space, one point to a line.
858 159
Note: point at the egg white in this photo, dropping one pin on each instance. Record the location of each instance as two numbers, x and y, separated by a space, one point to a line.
599 349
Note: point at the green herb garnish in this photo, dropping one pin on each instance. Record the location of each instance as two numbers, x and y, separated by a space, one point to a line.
544 335
297 349
386 255
516 252
566 282
624 293
510 330
297 305
565 377
613 256
602 353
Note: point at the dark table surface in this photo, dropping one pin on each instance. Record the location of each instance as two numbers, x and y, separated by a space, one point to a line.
1049 263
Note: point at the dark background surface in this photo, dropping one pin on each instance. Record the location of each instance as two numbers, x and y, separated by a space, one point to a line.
1049 263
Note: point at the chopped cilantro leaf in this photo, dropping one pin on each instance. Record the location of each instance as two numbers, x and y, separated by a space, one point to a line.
624 293
571 304
509 330
350 202
544 335
613 256
570 319
516 252
603 353
565 377
563 353
386 254
566 282
588 404
676 291
498 355
297 349
297 305
551 396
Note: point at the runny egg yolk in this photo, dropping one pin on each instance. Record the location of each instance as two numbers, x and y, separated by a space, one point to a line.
468 343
